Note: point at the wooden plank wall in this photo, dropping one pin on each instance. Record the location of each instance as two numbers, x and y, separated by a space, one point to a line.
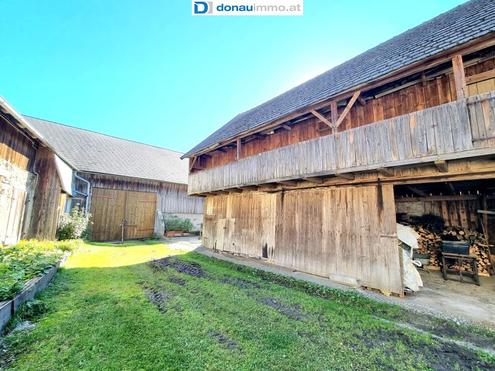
15 147
172 198
458 213
347 233
46 204
449 129
110 207
422 95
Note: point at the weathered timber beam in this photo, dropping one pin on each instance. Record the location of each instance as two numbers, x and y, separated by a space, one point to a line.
323 119
315 180
347 176
249 188
286 127
192 161
442 166
362 101
269 188
235 190
386 171
288 182
221 149
480 77
334 110
238 147
459 76
348 108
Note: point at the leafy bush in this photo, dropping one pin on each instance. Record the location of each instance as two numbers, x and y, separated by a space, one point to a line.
74 225
26 260
175 223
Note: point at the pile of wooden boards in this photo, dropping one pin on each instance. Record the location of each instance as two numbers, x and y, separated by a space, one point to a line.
430 243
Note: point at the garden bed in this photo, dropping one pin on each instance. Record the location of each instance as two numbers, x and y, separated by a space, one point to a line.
25 269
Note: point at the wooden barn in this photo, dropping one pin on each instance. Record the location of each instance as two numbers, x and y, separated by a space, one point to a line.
32 187
314 178
128 187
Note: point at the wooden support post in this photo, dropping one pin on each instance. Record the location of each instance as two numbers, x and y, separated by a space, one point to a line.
334 110
459 76
192 161
442 166
347 108
323 119
238 145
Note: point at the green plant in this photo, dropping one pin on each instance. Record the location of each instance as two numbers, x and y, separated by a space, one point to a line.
175 223
74 225
26 260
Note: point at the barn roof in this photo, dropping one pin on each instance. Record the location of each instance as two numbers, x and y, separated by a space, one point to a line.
93 152
462 24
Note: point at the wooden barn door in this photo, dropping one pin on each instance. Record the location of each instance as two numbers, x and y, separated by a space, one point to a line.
110 208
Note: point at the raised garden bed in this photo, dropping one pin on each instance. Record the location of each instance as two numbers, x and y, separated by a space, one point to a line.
31 288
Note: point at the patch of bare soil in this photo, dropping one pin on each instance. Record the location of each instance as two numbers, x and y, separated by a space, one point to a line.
240 283
440 356
177 280
223 339
158 297
291 311
192 269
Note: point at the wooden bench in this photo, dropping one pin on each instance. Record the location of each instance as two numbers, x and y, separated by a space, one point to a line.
459 260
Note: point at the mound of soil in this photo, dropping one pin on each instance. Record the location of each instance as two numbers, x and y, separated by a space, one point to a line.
192 269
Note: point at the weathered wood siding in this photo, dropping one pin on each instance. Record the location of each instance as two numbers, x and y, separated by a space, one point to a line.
346 233
112 207
411 98
46 205
459 129
16 148
171 197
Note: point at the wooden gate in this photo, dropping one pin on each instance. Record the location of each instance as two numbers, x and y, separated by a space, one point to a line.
110 208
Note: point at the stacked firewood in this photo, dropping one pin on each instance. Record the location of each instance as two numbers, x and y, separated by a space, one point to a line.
430 242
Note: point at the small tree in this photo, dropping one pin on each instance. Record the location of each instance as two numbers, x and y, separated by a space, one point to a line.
74 225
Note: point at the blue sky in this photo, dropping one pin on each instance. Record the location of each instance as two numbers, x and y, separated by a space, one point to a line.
151 72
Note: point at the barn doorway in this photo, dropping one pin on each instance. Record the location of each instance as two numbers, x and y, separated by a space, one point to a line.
118 214
446 214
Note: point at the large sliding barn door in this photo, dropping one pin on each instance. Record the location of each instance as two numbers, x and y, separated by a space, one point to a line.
111 208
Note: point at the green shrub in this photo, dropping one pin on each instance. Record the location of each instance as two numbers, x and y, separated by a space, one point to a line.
74 225
175 223
28 259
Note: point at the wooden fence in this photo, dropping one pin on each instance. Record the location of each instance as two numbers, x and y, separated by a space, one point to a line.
461 129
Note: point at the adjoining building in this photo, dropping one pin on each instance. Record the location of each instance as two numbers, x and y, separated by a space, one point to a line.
34 180
312 179
128 187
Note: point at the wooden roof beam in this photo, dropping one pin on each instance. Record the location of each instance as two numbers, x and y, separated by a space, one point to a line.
323 119
386 171
459 76
343 115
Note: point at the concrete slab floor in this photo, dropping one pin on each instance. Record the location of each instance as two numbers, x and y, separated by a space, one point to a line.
462 302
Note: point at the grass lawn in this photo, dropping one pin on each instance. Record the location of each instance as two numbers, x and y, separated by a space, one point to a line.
111 309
